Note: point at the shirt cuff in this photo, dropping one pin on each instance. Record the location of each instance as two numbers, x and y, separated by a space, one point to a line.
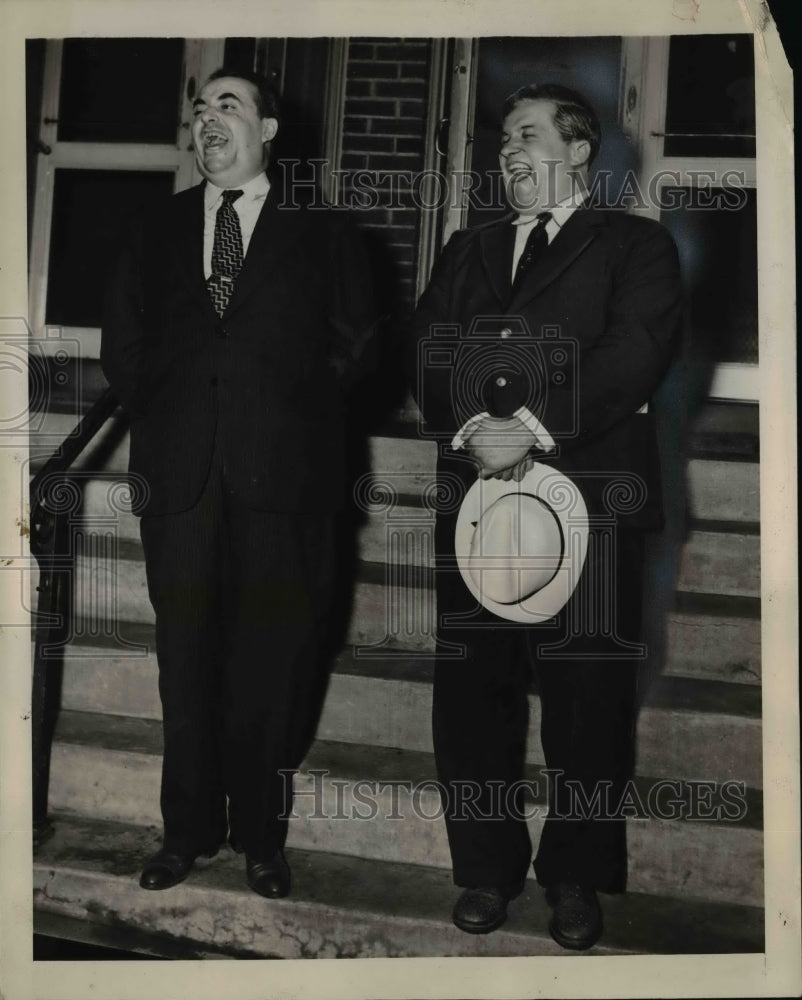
462 435
543 440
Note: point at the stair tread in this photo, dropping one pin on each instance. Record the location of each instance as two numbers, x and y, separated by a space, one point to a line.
665 692
340 760
345 907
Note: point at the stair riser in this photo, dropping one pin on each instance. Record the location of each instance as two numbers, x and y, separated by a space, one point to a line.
670 743
716 490
718 862
111 588
396 713
697 646
714 648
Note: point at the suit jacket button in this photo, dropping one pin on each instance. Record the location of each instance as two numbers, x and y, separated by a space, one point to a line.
221 331
506 333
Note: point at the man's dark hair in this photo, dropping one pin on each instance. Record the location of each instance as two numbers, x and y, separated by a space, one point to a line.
574 118
267 99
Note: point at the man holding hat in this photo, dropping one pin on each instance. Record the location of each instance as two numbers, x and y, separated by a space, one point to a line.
537 344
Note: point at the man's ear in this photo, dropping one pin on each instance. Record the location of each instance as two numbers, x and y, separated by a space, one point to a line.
580 152
269 129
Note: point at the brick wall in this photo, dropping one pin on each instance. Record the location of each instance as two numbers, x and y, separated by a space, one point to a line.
387 88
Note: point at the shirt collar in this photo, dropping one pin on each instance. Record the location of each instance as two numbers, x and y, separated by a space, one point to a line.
254 189
560 213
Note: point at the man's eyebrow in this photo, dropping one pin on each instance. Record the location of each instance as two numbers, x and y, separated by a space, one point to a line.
227 95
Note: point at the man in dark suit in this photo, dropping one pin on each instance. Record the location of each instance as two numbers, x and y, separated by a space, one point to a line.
540 338
237 319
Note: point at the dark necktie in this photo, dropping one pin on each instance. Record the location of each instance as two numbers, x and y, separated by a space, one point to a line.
536 243
227 253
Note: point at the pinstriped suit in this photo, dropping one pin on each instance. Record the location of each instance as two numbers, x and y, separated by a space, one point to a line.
238 429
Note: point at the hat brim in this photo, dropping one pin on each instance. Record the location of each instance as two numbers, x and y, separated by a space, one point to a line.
563 498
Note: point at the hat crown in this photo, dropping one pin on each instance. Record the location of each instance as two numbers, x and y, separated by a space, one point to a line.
521 546
516 549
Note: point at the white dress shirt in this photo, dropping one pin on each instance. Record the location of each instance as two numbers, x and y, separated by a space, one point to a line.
247 206
524 224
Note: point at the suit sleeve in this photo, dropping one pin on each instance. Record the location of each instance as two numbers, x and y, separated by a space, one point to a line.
620 370
429 357
123 331
353 313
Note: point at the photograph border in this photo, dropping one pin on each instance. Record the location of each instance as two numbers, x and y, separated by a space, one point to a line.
777 972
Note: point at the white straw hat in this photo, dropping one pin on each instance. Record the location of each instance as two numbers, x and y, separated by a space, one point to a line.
521 547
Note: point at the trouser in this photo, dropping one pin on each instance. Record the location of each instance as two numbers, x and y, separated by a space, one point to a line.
242 603
586 678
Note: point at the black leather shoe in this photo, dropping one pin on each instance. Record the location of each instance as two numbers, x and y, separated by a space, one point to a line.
167 868
269 878
480 911
577 919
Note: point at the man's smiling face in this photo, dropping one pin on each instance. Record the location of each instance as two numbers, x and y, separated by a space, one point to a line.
538 165
228 132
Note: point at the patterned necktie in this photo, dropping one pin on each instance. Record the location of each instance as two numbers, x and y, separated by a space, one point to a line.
227 253
536 243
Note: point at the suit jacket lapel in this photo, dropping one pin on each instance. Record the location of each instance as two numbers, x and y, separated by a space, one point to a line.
578 232
275 230
497 243
188 227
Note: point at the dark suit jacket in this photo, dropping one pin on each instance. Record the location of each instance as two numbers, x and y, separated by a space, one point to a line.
270 377
582 342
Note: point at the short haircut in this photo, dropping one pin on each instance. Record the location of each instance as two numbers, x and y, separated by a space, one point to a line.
574 118
268 103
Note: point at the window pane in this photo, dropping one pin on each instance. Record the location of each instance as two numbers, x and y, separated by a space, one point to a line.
90 211
120 89
710 102
718 250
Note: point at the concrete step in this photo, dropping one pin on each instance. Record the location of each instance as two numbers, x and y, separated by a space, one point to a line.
111 584
700 645
688 728
724 491
383 804
340 907
715 562
713 647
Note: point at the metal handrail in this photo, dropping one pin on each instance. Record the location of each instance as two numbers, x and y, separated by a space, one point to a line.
50 544
75 442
